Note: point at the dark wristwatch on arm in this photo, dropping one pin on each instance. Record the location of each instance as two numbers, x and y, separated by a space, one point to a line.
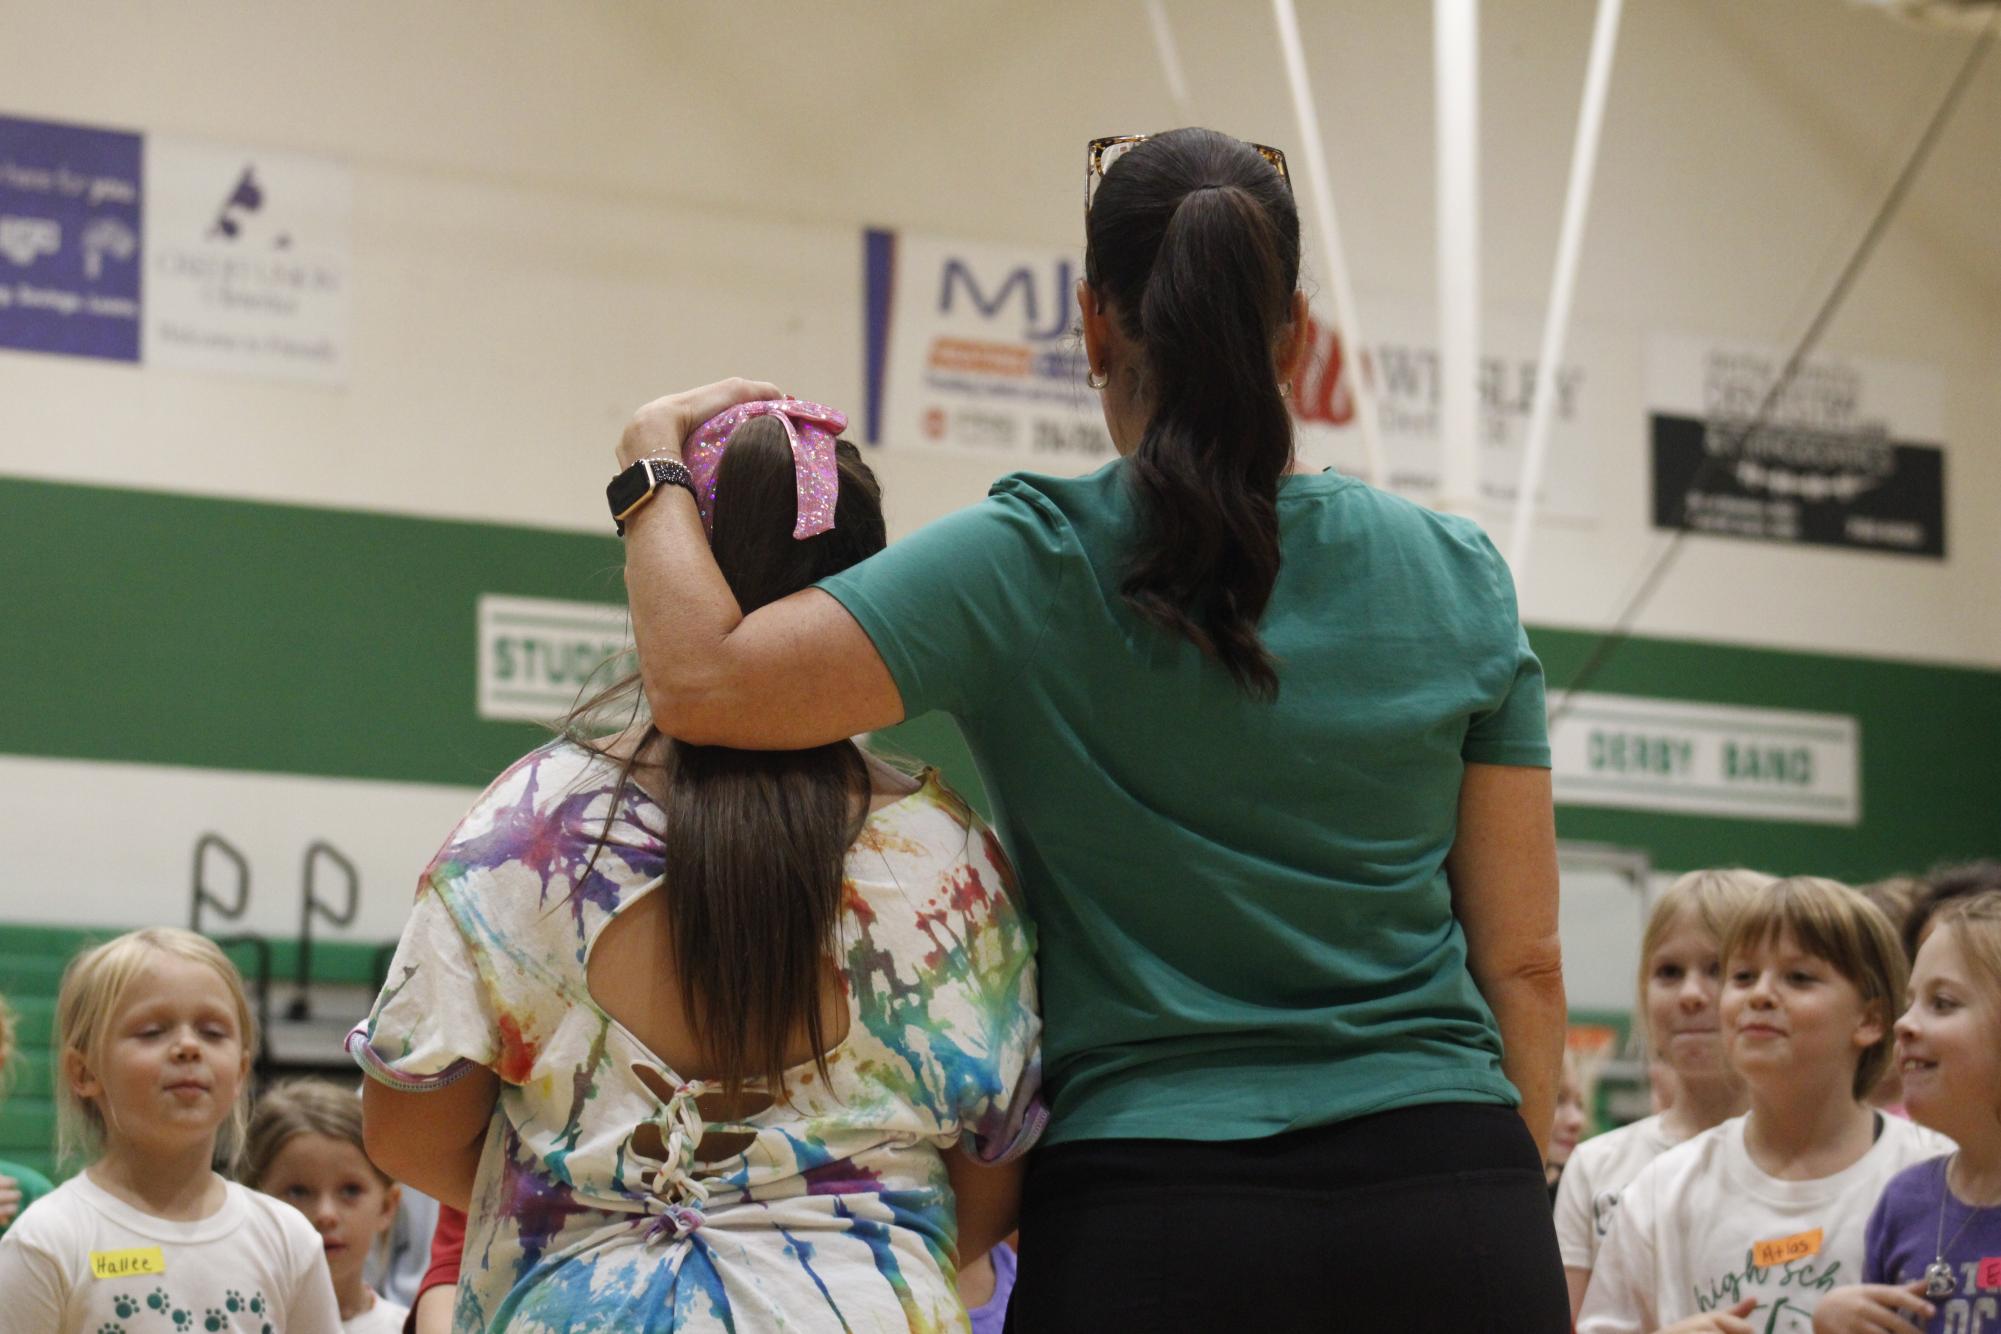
636 485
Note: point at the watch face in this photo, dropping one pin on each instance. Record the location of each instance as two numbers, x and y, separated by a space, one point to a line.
628 489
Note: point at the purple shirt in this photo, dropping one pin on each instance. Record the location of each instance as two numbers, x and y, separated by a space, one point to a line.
989 1318
1902 1236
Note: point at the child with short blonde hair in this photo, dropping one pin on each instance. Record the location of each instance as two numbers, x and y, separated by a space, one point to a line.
1932 1241
305 1149
1749 1225
1567 1127
1680 979
154 1035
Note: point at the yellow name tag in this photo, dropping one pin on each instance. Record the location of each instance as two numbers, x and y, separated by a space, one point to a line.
1768 1254
124 1264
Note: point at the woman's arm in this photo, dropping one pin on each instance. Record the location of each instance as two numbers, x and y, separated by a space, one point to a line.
1502 870
433 1312
989 1196
799 672
431 1139
1577 1280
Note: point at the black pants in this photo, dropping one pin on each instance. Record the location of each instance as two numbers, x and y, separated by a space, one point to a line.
1421 1219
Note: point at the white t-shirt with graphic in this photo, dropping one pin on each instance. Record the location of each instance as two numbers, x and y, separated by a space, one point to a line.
82 1261
1588 1192
1701 1228
385 1317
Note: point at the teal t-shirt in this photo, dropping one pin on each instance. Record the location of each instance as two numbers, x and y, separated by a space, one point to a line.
33 1186
1244 924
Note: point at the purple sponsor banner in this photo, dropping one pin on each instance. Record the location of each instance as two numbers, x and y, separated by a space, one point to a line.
69 239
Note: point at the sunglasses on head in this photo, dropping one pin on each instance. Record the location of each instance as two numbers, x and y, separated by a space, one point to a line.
1102 153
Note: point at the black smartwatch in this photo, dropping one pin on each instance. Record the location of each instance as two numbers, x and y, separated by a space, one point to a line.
636 485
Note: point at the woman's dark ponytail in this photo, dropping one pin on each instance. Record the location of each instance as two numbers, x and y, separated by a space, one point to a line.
1193 244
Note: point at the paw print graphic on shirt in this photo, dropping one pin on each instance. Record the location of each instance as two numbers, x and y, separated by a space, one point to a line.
257 1306
111 1327
183 1319
232 1301
158 1300
215 1320
125 1306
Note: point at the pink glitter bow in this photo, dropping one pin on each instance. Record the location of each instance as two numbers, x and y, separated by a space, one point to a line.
810 426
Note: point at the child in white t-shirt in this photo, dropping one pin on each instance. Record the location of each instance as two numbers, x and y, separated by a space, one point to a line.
1681 977
1744 1228
154 1035
306 1149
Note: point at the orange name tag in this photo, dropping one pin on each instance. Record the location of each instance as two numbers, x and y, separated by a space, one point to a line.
1767 1254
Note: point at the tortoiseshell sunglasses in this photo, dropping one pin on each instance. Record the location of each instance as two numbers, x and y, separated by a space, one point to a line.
1104 152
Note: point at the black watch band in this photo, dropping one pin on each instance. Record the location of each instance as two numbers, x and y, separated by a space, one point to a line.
636 485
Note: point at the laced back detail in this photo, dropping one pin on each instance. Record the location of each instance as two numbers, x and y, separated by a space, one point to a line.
676 1196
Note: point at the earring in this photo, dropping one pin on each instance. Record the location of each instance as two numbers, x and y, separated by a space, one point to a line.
1285 389
1098 379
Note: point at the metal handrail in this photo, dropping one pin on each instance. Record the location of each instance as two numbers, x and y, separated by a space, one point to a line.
312 905
260 990
260 948
202 897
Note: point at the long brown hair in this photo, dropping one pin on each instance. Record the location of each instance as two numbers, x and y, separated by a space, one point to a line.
1193 243
756 839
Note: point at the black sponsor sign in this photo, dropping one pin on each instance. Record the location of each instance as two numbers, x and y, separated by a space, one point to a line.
1792 484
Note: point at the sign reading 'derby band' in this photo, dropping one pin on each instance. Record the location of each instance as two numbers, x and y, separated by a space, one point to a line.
70 215
1849 456
1710 759
536 655
973 347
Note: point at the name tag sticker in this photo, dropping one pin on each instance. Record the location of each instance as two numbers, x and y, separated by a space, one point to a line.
1777 1251
1990 1271
124 1264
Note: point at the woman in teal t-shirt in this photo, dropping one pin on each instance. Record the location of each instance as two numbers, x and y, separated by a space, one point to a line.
1269 752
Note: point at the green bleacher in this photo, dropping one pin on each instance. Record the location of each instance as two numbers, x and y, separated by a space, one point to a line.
31 966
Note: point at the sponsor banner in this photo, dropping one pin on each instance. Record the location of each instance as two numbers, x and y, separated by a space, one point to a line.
1403 354
70 227
972 348
537 654
1708 759
249 257
1850 455
54 820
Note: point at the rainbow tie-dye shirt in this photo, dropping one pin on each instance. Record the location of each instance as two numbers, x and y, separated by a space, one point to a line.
594 1209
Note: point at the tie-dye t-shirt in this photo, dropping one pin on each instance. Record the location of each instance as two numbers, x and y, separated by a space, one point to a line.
595 1208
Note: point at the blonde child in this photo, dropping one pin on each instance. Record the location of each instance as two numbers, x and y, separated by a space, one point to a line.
1749 1225
1567 1128
305 1149
1933 1243
154 1035
19 1186
1681 977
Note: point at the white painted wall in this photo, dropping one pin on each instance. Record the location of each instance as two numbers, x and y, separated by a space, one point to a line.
563 210
143 874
